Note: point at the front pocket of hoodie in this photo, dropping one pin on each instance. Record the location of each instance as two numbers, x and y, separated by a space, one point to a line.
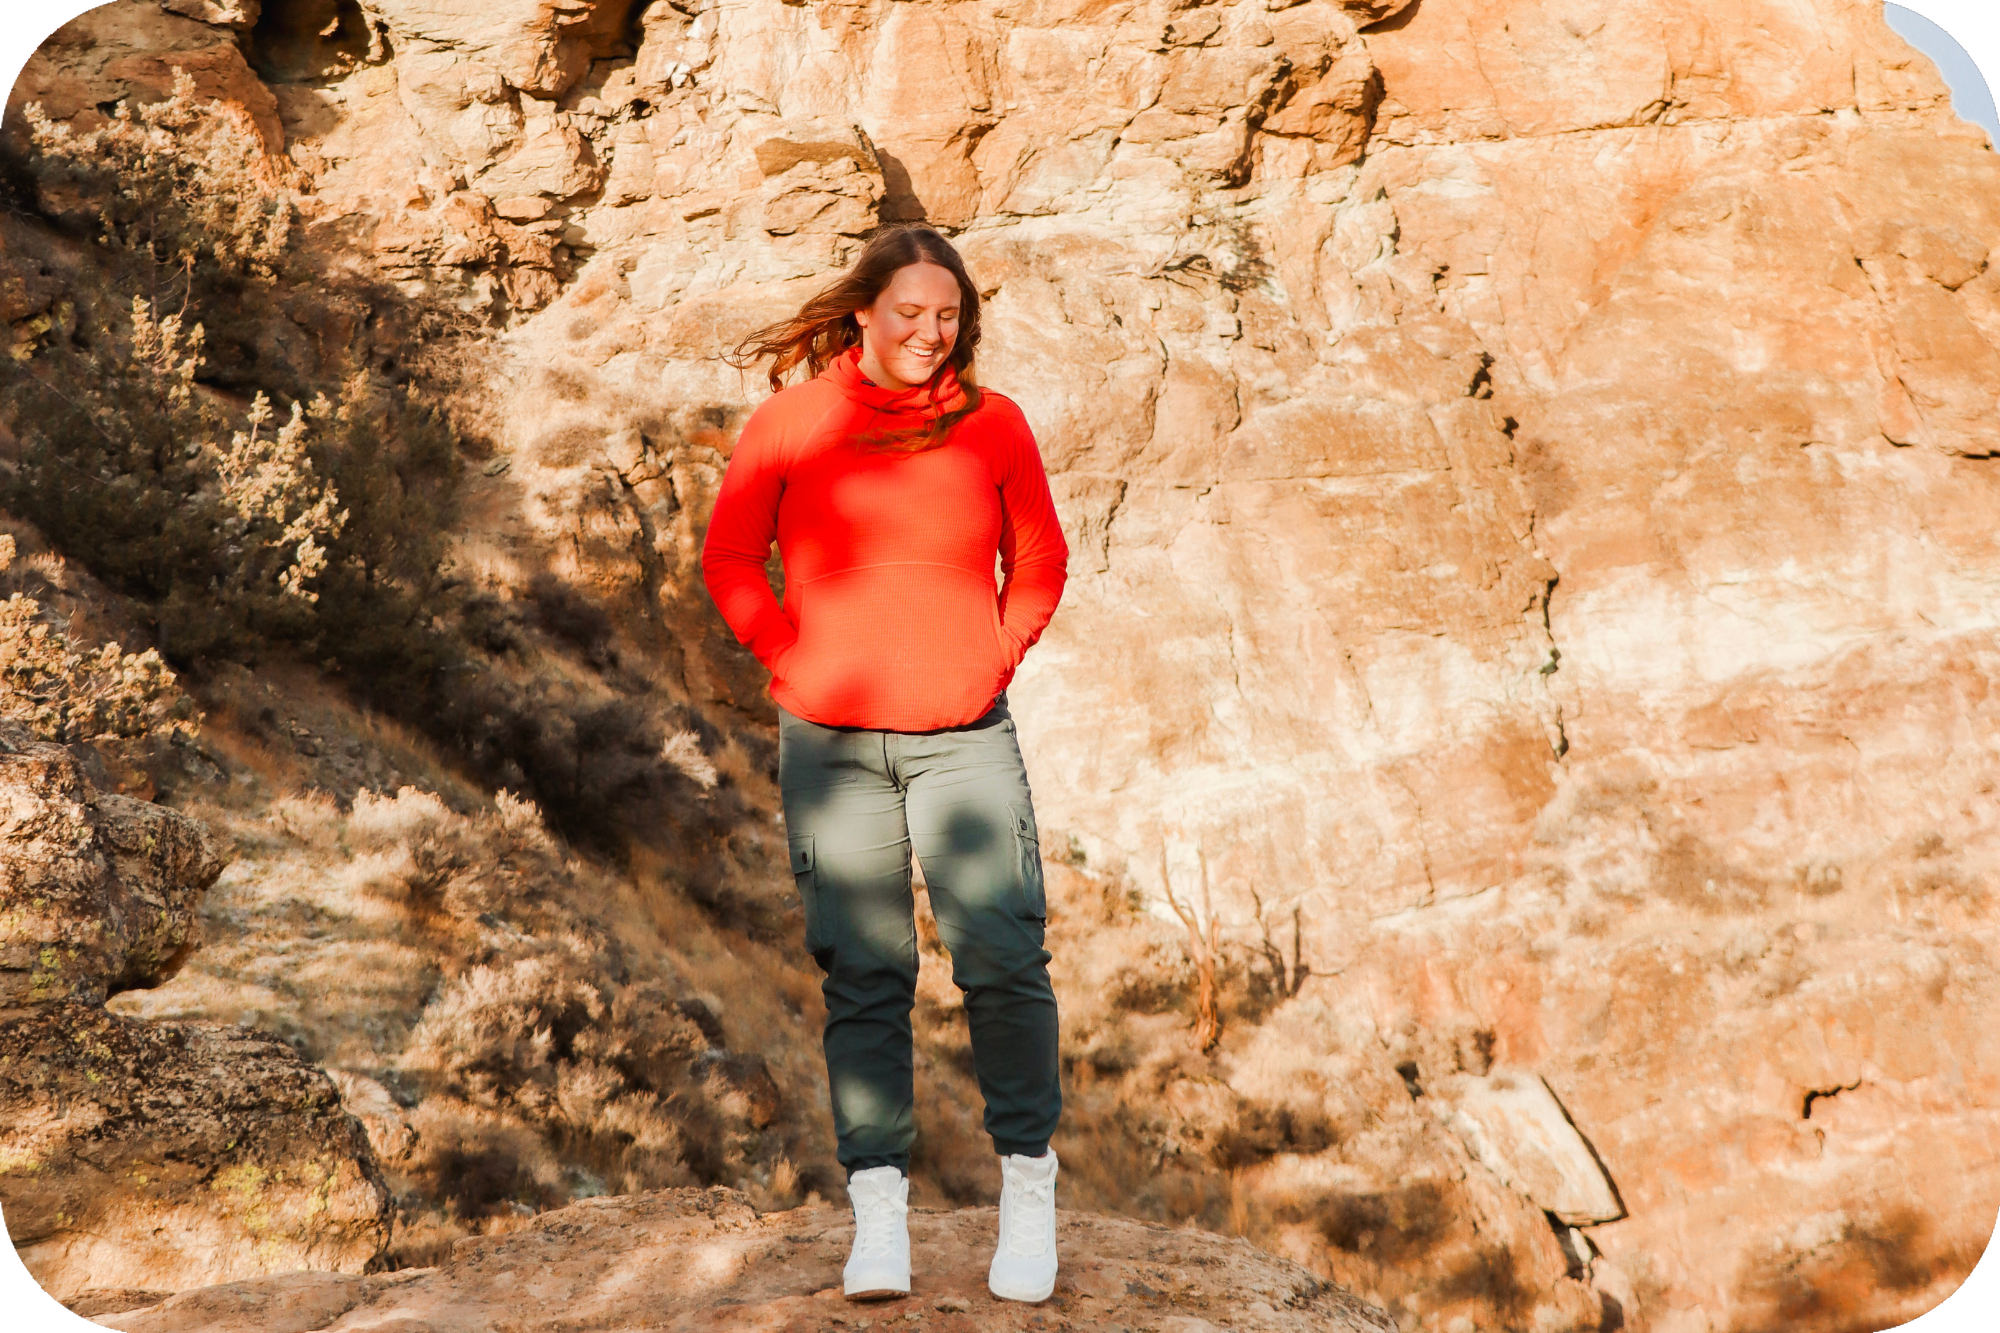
1028 863
1000 633
872 638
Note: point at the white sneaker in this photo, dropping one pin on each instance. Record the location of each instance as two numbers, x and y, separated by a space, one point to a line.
1024 1262
879 1265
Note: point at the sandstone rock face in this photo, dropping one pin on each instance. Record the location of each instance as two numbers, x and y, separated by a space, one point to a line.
1529 472
97 892
690 1259
129 50
156 1156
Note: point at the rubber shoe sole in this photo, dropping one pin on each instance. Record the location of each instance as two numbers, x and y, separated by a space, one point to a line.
1026 1295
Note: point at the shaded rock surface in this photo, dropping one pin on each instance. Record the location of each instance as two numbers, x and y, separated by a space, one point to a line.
687 1259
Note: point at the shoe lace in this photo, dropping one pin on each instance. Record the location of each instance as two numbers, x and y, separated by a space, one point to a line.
875 1215
1028 1218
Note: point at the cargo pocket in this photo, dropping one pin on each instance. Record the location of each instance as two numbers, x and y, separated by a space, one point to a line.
804 873
1028 863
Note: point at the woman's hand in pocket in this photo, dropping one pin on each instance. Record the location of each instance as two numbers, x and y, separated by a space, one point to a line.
1014 648
776 664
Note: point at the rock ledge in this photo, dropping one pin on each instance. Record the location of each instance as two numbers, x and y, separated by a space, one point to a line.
704 1259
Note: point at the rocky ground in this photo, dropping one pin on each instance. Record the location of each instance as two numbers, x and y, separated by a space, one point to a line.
687 1260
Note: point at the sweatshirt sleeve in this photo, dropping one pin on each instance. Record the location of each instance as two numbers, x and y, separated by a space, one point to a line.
739 540
1034 558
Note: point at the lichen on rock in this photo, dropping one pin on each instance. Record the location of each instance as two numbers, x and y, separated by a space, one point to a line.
147 1155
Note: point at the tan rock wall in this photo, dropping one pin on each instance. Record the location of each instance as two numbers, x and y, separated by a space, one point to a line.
1526 469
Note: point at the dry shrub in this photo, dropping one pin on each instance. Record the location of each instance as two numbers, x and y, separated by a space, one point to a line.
310 817
1869 1272
65 694
543 1041
555 1062
683 750
479 1163
221 541
182 179
412 849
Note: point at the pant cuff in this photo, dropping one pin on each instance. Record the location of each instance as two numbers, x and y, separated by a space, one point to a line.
900 1161
1023 1149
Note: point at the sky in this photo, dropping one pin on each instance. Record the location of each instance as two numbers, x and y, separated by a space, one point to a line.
1970 97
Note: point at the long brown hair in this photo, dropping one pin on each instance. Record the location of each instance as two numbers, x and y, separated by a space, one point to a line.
825 326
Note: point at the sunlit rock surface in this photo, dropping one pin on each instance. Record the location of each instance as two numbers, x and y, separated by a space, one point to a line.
1529 472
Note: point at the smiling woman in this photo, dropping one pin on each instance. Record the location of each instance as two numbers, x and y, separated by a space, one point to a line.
910 327
903 313
890 482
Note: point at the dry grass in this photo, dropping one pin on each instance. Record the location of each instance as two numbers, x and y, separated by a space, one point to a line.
552 1031
65 694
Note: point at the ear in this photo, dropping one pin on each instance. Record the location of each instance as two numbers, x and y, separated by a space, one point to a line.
861 317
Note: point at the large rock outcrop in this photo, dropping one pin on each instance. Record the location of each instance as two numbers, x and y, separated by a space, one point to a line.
147 1156
1529 469
692 1259
98 892
156 1156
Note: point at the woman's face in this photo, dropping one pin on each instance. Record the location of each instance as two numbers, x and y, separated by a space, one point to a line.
907 334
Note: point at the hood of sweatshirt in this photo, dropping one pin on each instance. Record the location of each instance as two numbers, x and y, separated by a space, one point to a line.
922 403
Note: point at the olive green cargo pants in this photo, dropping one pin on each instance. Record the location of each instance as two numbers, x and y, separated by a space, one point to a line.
856 801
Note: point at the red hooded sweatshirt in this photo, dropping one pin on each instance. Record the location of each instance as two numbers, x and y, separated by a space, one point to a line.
891 619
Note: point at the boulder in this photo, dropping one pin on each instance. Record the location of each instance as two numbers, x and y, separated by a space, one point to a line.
1510 1121
147 1156
98 892
162 1156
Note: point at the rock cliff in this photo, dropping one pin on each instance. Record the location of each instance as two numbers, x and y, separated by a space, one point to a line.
1529 468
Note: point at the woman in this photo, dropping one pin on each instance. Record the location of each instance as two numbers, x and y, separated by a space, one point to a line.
890 481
